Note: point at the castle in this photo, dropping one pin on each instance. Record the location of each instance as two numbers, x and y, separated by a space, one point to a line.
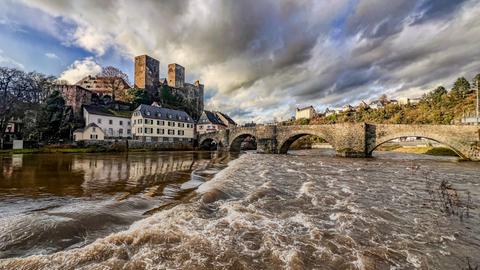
171 92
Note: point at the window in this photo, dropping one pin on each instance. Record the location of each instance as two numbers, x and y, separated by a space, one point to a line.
120 131
170 116
99 120
158 122
129 131
110 122
134 121
162 131
180 132
146 130
121 123
171 132
128 123
139 130
147 113
110 131
93 129
139 121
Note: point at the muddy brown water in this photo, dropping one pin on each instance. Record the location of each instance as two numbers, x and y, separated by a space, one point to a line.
305 210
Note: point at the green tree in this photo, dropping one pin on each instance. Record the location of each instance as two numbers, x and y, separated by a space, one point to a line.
461 88
138 96
54 119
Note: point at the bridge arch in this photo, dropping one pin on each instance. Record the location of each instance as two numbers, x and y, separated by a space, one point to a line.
210 144
235 144
401 131
288 137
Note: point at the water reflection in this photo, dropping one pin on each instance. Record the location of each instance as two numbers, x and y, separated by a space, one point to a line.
52 202
87 174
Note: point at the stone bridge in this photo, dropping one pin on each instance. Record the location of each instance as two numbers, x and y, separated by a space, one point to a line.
348 139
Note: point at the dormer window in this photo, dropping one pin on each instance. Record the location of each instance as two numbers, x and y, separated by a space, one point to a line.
147 113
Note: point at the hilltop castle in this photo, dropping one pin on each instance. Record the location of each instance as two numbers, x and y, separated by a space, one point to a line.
170 92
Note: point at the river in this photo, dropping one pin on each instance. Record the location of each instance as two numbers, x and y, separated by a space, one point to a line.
305 210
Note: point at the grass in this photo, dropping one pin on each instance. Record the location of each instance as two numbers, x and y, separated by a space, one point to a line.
44 150
427 150
48 150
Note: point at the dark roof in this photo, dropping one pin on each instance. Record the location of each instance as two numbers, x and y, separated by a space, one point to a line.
210 117
230 120
89 125
154 112
99 110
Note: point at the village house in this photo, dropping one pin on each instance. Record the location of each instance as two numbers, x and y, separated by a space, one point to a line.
305 113
210 122
226 120
115 124
91 132
151 123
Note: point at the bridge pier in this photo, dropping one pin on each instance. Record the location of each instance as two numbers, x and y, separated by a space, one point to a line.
267 146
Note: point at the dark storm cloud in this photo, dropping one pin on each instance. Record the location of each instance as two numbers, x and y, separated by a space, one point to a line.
263 57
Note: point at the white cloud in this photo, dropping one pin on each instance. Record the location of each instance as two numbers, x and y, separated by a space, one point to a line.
51 55
9 62
80 69
262 58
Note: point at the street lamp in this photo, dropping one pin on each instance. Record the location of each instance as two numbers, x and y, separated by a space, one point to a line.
477 111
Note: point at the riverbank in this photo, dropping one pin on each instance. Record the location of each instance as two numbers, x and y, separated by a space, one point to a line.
47 150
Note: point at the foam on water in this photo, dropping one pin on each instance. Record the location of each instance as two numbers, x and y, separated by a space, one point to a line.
273 212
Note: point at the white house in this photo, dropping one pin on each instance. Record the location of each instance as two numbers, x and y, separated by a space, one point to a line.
91 132
156 124
306 113
210 122
115 124
376 104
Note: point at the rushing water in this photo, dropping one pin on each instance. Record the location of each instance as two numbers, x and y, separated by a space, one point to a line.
306 210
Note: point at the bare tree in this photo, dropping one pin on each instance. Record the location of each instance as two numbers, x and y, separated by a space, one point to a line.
114 78
17 90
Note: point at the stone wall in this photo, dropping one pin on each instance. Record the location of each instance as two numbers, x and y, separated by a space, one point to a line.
123 145
75 96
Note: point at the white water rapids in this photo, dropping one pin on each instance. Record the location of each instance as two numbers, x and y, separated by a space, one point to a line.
301 211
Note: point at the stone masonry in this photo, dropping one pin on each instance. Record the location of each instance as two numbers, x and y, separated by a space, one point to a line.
349 139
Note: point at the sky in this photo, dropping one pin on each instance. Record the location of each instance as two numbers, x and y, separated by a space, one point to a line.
258 59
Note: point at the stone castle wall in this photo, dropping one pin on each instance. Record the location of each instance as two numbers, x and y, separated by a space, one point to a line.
76 96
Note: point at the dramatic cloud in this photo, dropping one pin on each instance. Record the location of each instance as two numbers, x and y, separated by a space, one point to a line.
260 59
80 69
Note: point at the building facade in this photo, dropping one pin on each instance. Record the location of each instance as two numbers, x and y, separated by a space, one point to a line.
115 125
305 113
226 120
156 124
209 122
91 132
112 86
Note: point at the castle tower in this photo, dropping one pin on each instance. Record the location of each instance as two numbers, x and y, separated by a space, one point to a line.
176 76
147 72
